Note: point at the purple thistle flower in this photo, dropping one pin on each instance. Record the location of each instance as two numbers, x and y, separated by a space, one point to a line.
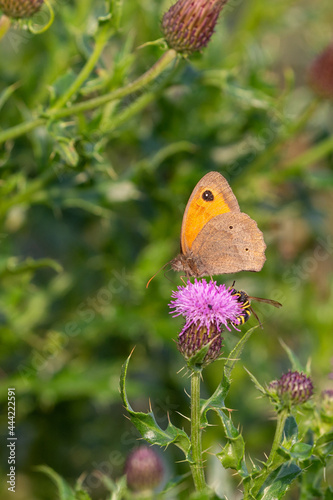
204 304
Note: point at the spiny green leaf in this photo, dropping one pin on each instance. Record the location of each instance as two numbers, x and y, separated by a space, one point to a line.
216 401
295 363
256 383
147 425
324 446
290 429
279 481
65 147
301 451
65 491
236 352
232 455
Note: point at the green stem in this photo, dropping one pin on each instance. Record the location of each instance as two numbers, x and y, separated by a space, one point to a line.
138 84
278 435
96 102
101 40
197 462
281 420
21 129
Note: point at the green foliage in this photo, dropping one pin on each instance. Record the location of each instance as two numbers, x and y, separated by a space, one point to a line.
97 159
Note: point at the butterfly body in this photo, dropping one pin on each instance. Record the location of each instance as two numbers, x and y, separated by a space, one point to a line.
216 237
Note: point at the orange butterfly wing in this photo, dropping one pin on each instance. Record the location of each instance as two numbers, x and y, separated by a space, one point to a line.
200 208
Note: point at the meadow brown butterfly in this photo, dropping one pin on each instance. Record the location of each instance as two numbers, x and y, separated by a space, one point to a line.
216 237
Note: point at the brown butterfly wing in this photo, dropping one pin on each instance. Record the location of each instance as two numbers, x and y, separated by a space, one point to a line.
228 243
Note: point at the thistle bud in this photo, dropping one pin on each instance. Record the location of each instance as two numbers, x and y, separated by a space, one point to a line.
144 469
320 73
20 8
189 24
293 388
195 338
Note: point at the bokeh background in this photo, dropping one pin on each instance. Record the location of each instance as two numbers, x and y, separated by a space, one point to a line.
108 219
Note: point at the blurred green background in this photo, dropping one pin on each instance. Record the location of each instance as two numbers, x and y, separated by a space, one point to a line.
112 218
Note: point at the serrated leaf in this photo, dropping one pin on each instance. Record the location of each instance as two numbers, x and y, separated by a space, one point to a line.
232 455
256 383
147 425
295 363
290 429
301 451
65 148
324 446
216 401
279 481
65 491
236 352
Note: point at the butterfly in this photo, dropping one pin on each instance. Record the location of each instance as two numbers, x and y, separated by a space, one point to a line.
216 237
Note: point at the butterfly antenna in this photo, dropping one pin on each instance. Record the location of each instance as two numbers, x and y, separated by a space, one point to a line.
147 285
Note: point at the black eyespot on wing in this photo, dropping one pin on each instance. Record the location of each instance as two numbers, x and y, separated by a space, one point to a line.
231 227
246 249
207 195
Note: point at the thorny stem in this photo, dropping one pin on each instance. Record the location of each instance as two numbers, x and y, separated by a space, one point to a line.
197 462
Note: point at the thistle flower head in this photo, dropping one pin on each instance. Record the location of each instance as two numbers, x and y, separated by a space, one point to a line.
144 469
203 304
206 307
293 388
20 8
320 73
189 24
